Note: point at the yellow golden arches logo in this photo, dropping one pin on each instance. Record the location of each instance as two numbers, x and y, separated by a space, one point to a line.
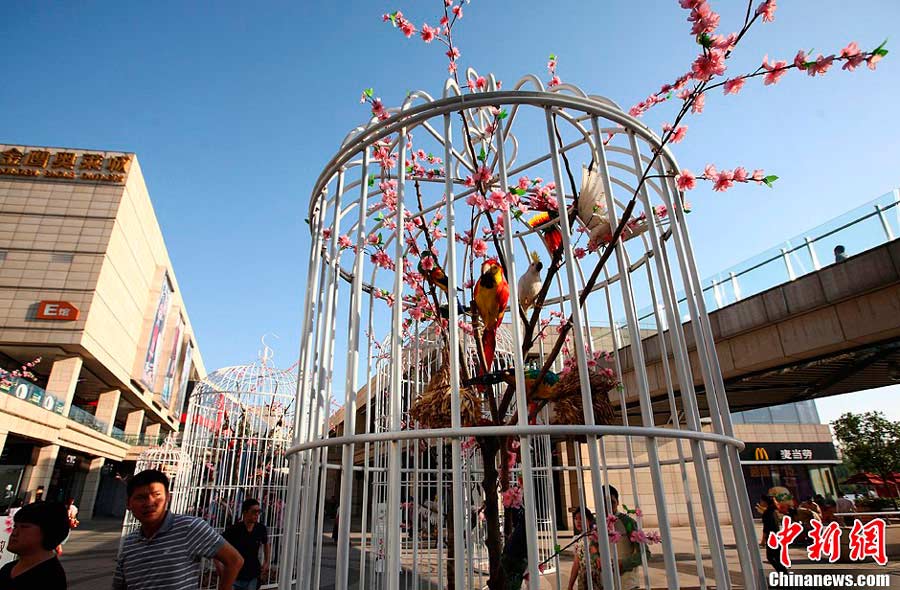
760 454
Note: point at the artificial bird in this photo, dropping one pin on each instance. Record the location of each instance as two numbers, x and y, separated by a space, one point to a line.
432 271
545 390
543 222
491 296
529 284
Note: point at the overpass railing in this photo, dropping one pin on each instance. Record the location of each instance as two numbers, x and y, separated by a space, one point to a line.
863 228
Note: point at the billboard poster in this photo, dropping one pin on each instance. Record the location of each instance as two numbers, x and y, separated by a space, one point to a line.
172 366
183 382
148 372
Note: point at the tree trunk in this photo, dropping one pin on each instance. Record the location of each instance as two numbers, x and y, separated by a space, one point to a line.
489 447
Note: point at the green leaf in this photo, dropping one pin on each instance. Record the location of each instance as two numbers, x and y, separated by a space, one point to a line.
370 92
372 180
503 114
557 548
379 216
553 56
482 156
880 50
705 40
518 191
769 180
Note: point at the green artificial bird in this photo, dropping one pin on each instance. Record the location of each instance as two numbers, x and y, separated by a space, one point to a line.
547 389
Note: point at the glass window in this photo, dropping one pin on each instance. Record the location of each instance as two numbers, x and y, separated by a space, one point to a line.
785 414
809 414
758 416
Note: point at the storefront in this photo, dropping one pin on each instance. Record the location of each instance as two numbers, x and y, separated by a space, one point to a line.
14 458
790 470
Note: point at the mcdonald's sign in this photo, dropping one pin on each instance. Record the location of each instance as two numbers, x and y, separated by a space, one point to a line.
789 452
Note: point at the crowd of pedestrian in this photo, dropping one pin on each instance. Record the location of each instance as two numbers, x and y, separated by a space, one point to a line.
165 553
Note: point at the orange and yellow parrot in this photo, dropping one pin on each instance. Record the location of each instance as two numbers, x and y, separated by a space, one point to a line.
431 270
491 296
549 231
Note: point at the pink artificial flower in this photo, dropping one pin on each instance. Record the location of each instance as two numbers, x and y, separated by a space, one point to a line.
453 53
767 10
381 259
445 21
479 248
326 233
679 134
483 174
724 181
683 94
554 81
523 183
407 28
638 512
344 242
758 176
710 172
437 233
579 253
416 313
776 71
708 65
740 174
429 33
466 327
699 103
512 498
457 11
451 67
478 201
373 239
480 83
704 19
690 4
427 262
800 60
872 60
853 55
734 85
724 43
821 65
685 181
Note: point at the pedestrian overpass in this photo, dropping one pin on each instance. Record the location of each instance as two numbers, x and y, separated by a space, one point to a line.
794 323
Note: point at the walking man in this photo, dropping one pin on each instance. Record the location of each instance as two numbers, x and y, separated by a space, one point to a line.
165 553
248 535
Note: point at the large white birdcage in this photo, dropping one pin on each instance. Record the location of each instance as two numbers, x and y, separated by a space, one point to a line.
239 424
454 466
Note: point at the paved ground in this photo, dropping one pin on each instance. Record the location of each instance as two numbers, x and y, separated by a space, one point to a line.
89 560
89 556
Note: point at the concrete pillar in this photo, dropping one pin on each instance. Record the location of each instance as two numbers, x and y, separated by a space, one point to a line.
107 406
89 492
40 471
151 433
134 424
63 380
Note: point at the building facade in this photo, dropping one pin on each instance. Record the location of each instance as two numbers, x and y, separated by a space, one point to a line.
89 303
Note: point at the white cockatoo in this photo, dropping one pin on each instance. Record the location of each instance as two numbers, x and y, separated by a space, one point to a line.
530 283
592 211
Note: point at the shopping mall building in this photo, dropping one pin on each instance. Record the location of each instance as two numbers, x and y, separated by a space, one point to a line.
86 287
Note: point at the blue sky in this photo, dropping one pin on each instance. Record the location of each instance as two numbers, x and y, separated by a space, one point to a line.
234 107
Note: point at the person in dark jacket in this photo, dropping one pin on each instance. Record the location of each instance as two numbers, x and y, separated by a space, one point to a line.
770 518
248 535
37 530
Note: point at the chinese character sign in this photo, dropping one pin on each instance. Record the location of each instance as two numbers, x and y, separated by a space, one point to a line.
865 541
63 164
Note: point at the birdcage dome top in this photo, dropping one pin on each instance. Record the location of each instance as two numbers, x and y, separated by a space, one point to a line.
258 377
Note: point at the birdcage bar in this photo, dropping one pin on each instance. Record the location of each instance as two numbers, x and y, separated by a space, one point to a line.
751 562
